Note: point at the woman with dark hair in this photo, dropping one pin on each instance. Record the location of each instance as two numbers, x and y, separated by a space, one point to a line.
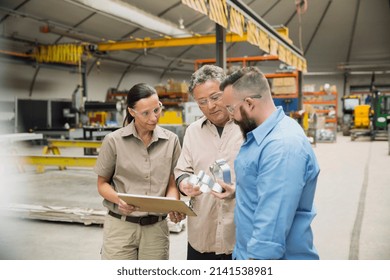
138 159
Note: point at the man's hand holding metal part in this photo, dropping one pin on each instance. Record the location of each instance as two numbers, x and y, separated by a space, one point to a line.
228 190
189 189
204 183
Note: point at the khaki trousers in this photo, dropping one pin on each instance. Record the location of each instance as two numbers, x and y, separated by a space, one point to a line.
124 240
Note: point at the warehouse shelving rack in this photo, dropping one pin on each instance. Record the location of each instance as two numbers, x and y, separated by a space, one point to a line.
325 107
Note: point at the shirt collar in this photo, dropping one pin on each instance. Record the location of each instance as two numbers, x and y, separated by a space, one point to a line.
129 129
260 132
205 120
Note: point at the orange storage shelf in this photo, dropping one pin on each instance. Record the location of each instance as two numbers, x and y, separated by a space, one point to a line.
331 103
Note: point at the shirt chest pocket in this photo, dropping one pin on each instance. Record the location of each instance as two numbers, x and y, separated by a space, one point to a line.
161 170
246 171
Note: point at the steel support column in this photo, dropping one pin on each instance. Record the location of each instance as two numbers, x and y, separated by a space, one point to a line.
84 78
220 46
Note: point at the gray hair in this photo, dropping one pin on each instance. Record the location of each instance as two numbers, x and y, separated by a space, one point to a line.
204 74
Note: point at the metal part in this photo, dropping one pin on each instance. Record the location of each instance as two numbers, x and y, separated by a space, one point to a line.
221 170
205 182
195 179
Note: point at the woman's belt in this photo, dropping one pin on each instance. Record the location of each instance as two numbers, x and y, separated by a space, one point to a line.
143 221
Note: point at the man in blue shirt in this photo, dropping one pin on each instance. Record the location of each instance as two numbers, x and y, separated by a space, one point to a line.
276 174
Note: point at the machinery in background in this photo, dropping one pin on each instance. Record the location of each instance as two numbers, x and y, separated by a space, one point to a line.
108 113
100 117
377 109
178 112
54 117
380 103
66 118
372 119
173 95
361 116
349 103
361 121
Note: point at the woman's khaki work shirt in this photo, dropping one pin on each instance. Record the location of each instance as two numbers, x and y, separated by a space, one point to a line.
135 168
212 230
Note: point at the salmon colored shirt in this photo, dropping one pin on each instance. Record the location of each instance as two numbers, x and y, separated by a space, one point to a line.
212 230
137 169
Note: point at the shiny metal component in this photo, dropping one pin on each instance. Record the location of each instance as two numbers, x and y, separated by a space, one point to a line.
206 183
219 170
217 188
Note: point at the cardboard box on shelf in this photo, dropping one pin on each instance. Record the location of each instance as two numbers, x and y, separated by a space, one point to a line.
284 89
328 88
284 85
173 86
308 108
309 88
287 81
161 89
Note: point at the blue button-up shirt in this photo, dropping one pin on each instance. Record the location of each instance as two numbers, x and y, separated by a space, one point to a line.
276 176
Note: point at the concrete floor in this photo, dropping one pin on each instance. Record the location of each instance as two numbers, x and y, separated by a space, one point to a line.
352 201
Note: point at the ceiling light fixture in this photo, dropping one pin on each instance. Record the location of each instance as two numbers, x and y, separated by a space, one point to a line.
382 66
135 15
181 24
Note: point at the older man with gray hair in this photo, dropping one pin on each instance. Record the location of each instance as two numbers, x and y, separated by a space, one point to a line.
211 234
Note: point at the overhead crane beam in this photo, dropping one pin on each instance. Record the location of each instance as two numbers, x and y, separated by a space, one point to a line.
168 42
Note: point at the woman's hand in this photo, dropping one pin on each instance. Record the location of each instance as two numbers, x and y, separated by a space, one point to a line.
126 209
176 217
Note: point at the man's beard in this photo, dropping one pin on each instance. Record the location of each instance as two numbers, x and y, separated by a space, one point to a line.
246 125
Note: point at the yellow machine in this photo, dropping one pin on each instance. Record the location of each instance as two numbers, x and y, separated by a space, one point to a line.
349 104
98 117
362 116
171 116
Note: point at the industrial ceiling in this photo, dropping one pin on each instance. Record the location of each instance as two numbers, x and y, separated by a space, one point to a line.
332 35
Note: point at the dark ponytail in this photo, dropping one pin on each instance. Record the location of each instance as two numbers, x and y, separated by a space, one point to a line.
137 92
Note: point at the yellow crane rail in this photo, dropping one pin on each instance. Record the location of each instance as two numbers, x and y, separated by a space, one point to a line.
148 43
54 145
74 143
56 160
